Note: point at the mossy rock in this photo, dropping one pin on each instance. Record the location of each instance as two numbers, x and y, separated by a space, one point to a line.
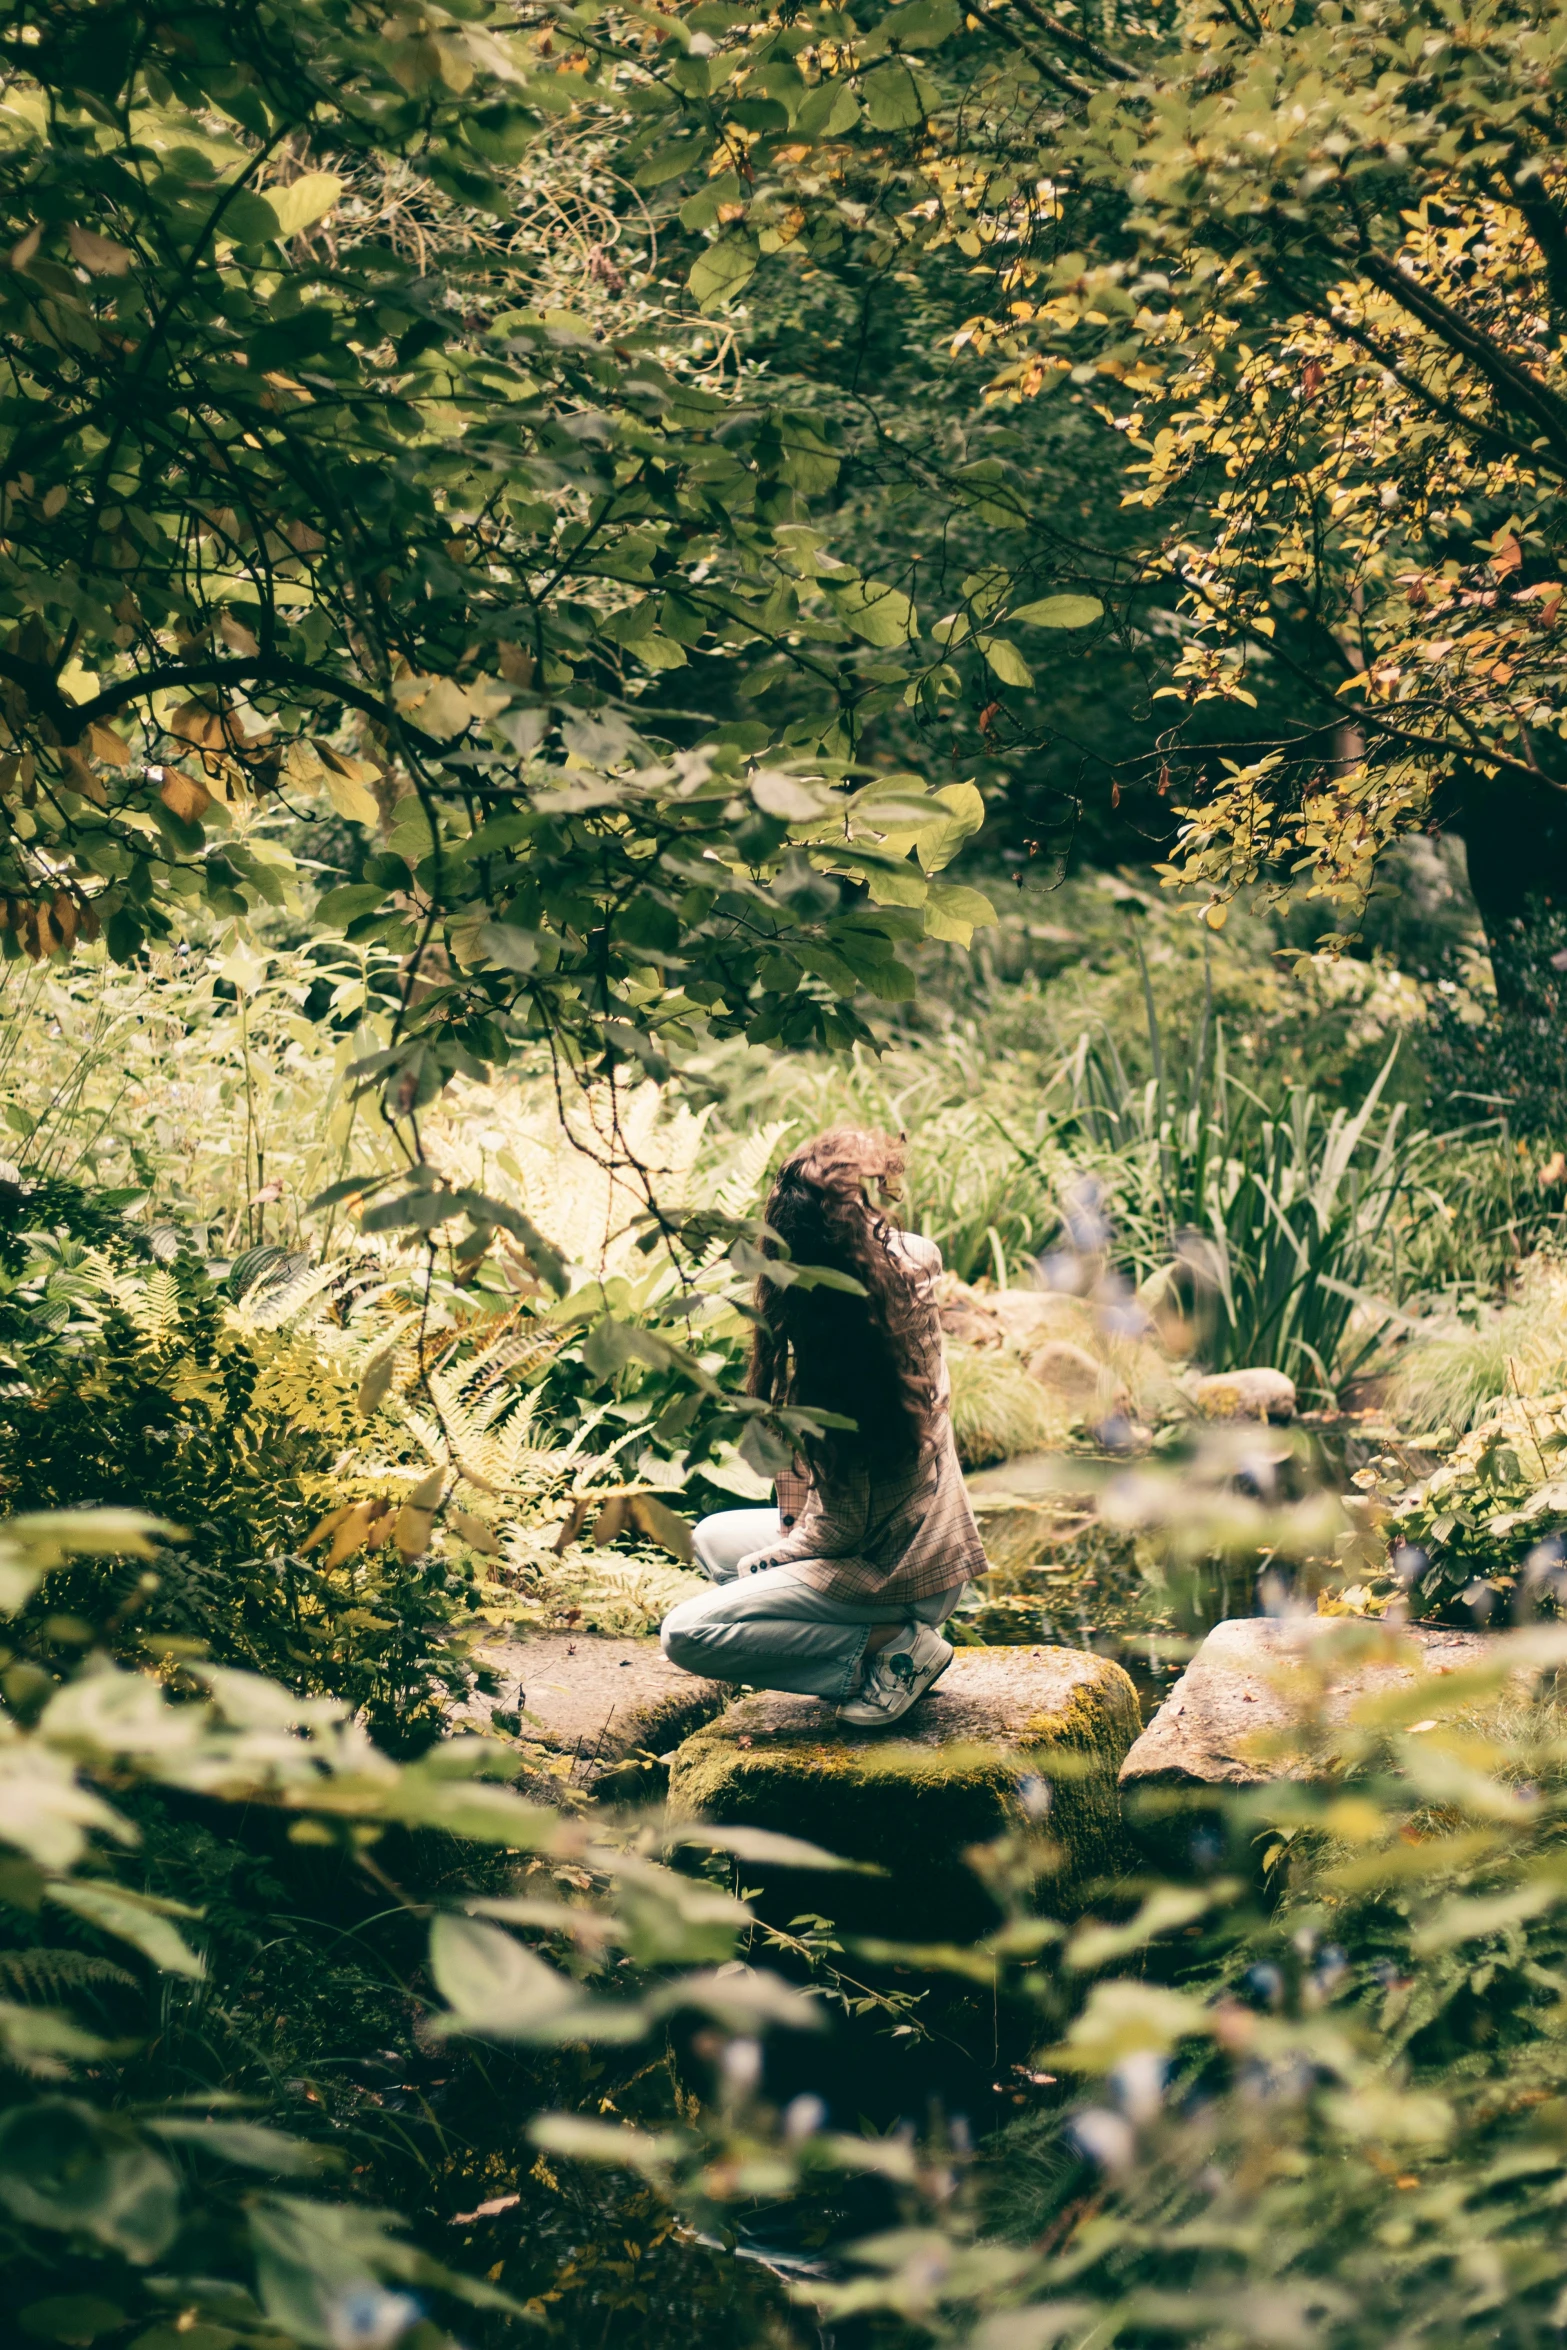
960 1769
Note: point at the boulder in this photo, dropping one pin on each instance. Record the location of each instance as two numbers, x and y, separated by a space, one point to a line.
1029 1317
1009 1737
613 1706
1258 1394
1073 1376
965 1314
1244 1688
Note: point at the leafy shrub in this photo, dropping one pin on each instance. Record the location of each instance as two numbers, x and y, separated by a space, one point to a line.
1482 1533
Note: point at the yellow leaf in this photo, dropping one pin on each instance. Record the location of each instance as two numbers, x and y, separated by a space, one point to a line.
184 797
475 1533
351 799
104 743
238 637
661 1524
99 255
326 1526
416 1518
351 1533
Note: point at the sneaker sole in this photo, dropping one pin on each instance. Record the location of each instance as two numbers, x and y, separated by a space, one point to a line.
881 1720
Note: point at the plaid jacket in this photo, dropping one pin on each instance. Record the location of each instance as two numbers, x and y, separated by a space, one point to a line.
906 1533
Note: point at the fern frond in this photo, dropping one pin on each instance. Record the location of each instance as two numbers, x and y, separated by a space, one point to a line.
50 1973
285 1301
738 1186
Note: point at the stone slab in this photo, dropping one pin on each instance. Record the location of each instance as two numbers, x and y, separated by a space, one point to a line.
962 1767
604 1702
1240 1688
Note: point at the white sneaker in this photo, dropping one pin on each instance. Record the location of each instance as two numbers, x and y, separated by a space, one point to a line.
897 1675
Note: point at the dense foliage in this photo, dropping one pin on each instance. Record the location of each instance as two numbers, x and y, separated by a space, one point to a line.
531 539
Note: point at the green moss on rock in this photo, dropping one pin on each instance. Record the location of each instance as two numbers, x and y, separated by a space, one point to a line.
957 1771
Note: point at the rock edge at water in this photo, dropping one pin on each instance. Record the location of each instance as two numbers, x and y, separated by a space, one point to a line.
598 1700
1236 1693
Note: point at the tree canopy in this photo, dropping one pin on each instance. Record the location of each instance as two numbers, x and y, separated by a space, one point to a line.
658 472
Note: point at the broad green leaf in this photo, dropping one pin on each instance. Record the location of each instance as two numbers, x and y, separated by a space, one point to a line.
133 1918
922 24
793 799
897 98
880 614
73 2171
937 844
252 2145
668 162
1161 1912
743 1999
896 885
1006 661
303 201
830 112
497 1987
1124 2019
955 913
723 271
582 2139
248 218
1060 612
766 1848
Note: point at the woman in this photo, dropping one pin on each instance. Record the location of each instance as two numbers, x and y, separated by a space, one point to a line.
838 1592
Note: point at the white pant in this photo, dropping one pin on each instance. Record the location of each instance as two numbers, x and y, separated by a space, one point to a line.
771 1628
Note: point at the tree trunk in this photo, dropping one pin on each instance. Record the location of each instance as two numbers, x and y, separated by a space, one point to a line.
1515 836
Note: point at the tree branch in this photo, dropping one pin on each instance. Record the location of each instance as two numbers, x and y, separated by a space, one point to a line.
1078 43
1071 83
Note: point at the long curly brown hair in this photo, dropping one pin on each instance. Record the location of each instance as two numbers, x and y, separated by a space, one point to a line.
873 1357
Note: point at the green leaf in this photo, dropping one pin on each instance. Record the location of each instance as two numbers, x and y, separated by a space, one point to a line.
924 24
346 903
304 201
897 98
1060 612
133 1918
723 270
494 1985
73 2171
513 949
880 614
249 219
830 111
581 2139
767 1849
955 913
249 2144
793 799
668 162
1005 659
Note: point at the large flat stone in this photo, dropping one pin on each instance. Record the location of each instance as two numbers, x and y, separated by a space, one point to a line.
962 1767
1246 1686
608 1704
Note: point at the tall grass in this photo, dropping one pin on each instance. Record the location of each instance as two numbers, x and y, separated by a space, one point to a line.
1264 1225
